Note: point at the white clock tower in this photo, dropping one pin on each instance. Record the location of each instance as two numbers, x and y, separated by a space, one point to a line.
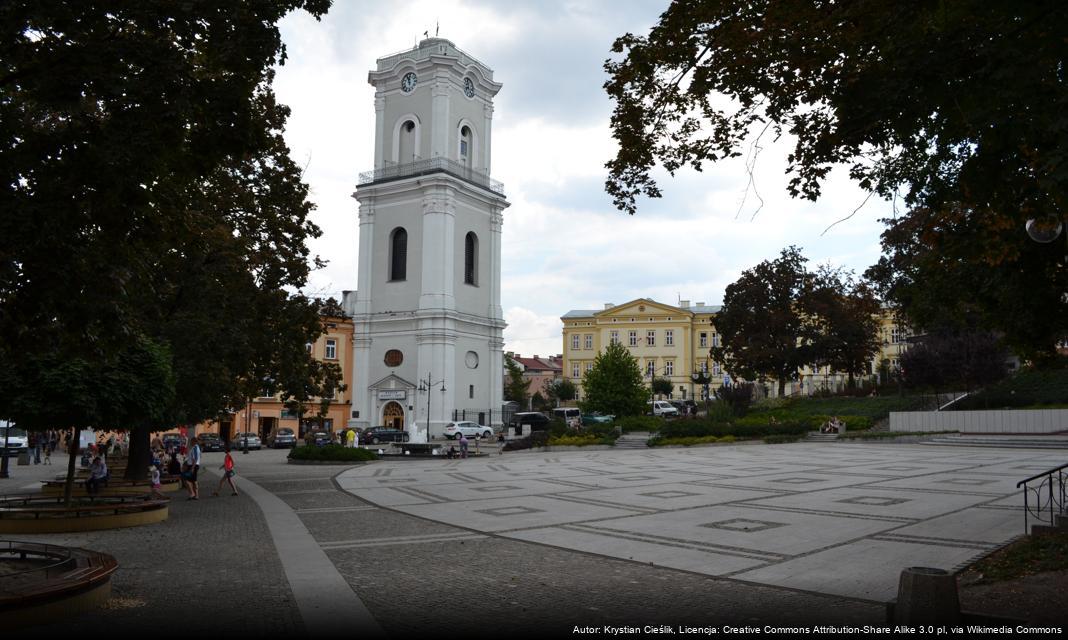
427 309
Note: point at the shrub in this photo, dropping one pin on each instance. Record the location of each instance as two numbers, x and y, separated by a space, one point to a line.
686 442
781 439
639 423
333 452
743 428
558 428
738 397
575 440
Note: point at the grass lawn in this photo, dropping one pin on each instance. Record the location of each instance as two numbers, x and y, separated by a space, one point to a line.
874 408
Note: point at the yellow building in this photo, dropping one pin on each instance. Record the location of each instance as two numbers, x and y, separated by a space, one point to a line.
673 342
265 414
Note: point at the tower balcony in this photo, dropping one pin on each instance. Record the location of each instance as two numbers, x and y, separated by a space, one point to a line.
429 166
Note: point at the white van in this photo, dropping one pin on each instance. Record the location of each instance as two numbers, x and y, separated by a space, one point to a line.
567 414
663 408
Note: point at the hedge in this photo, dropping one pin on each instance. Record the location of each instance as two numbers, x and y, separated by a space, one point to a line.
332 452
686 442
639 423
758 429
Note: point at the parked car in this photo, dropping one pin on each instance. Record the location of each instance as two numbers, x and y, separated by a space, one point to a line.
663 408
567 414
536 421
453 430
318 438
173 441
685 407
17 441
597 419
283 437
246 439
375 435
210 442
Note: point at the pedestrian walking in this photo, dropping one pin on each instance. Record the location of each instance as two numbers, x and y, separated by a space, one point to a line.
35 450
500 443
193 460
48 456
157 486
463 446
350 438
228 474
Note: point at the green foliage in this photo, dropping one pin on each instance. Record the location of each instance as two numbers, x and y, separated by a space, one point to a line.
515 388
874 408
558 428
719 412
926 113
629 424
614 385
689 440
661 386
702 428
841 322
575 440
945 360
1039 388
540 403
334 452
736 397
561 390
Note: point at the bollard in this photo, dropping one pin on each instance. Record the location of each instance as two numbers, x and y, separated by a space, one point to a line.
927 596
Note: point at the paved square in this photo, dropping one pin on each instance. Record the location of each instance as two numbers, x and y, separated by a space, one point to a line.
838 518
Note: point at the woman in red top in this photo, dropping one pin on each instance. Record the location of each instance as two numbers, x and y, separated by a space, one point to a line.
228 474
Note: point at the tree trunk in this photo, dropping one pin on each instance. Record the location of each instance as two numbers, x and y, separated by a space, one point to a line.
139 455
782 386
72 458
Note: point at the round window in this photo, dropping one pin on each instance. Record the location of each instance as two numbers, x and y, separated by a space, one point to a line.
394 358
472 360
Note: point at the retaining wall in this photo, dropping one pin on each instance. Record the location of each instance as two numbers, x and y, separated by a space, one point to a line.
1030 421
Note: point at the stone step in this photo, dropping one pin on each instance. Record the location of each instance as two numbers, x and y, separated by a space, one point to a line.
1022 442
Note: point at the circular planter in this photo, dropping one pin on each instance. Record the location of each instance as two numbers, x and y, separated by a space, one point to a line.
48 514
344 462
44 582
115 487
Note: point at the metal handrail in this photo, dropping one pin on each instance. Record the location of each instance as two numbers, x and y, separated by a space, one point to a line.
420 52
431 165
1057 498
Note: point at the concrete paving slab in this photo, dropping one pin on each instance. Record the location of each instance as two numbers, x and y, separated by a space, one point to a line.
867 569
866 502
975 524
513 513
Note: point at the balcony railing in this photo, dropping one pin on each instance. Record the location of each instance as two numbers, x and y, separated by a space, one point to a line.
432 165
430 49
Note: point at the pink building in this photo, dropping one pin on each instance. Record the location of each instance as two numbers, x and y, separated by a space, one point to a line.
540 371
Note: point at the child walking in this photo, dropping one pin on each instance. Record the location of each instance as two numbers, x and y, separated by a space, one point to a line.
228 474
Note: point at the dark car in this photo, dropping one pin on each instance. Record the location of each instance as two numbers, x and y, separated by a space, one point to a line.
283 437
173 441
210 442
374 435
536 421
318 438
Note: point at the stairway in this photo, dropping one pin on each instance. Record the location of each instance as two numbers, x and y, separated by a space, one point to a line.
1007 441
635 440
816 436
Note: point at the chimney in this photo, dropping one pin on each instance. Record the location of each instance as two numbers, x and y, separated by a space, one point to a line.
684 303
536 356
608 305
700 304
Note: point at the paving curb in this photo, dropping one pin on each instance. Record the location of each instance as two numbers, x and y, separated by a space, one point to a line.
337 462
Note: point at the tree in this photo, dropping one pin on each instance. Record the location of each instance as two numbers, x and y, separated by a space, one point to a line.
614 385
661 386
937 270
842 322
738 397
944 100
945 359
516 388
762 323
184 236
561 390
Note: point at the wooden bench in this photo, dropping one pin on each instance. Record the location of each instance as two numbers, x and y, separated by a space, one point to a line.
64 573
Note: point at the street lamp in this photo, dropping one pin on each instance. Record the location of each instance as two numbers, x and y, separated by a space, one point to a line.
3 460
424 387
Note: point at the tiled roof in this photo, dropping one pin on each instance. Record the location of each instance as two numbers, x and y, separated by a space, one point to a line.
537 364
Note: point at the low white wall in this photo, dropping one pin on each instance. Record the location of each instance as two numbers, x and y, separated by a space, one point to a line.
1005 421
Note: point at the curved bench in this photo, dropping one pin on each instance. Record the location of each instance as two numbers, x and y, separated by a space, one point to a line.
113 487
66 581
48 514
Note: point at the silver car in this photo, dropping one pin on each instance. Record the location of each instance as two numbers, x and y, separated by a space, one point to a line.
246 440
470 429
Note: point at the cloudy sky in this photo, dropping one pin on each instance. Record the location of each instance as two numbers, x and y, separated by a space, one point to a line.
565 246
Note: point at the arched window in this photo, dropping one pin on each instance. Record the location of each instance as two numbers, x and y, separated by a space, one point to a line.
398 254
471 259
407 142
465 143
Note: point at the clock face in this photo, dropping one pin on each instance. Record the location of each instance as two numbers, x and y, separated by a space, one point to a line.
471 360
408 82
469 88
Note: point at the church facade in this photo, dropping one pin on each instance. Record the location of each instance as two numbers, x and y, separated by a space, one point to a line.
428 334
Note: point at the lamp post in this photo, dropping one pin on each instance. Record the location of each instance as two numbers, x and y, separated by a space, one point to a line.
424 387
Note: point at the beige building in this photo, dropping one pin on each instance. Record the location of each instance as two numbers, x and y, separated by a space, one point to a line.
265 414
673 342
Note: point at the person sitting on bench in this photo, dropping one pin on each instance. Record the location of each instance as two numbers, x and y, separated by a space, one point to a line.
98 475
